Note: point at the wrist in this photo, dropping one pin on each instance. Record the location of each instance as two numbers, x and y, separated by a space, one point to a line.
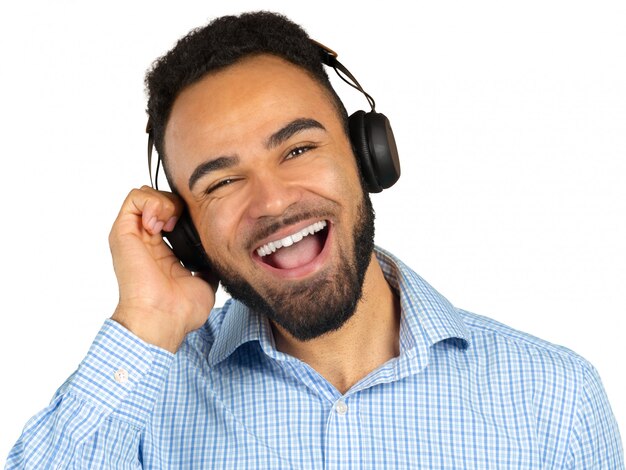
150 327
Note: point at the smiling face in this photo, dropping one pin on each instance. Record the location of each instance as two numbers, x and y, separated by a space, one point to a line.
260 155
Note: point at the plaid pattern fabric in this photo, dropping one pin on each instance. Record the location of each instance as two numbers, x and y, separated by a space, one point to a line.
465 393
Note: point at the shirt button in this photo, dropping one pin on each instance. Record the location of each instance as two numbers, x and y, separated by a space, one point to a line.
121 376
341 408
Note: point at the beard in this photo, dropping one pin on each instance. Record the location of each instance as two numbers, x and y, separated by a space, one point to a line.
310 309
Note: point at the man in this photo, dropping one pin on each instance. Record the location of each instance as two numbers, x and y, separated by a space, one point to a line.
334 354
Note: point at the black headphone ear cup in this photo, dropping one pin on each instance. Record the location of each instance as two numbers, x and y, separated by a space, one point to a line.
359 140
186 244
383 150
375 145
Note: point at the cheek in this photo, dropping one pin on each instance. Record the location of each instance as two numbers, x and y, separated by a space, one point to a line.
334 177
216 231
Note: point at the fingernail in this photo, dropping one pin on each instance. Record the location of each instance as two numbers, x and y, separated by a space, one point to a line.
150 224
158 226
169 225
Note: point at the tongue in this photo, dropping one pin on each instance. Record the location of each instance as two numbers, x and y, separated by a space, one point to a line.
297 254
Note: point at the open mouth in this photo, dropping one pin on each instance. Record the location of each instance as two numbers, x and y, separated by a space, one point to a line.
296 250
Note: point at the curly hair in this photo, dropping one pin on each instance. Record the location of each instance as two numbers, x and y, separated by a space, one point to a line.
221 43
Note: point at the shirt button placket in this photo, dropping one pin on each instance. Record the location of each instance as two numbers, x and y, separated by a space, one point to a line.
342 438
341 407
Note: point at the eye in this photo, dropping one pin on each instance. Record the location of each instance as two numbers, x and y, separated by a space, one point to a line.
220 184
296 152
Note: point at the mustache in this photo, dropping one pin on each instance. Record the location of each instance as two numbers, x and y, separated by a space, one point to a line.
264 228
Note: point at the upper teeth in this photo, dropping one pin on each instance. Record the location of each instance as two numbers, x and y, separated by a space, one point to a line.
289 240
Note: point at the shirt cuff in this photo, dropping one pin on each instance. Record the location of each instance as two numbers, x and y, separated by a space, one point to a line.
121 373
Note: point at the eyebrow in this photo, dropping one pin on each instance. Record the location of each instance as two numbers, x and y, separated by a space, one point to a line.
277 138
295 126
207 167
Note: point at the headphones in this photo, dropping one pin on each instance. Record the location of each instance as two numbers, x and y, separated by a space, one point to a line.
373 143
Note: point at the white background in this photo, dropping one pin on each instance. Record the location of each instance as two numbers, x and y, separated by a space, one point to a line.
510 119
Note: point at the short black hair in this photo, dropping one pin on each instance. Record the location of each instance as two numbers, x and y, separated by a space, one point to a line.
221 43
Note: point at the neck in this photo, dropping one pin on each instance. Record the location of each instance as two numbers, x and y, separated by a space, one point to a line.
366 341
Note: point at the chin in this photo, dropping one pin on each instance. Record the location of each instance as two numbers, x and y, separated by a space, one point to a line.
317 296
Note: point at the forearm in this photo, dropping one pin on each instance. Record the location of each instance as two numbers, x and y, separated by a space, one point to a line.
96 418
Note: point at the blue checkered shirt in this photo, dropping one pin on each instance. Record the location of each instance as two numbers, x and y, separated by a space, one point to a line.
465 393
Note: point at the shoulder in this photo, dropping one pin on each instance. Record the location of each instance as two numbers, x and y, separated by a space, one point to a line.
516 349
554 388
556 383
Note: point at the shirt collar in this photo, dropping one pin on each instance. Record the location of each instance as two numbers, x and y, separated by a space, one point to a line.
240 325
427 317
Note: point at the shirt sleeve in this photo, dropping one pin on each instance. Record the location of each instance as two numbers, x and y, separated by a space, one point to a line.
96 417
595 440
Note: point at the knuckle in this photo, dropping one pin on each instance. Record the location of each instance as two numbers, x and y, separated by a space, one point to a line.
134 195
169 205
156 204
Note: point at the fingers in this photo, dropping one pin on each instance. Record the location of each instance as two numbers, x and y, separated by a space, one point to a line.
159 210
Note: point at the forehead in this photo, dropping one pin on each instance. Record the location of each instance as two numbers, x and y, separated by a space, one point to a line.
236 107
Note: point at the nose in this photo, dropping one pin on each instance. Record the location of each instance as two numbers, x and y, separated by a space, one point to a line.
271 195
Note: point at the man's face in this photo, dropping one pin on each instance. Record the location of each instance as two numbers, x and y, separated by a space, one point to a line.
261 158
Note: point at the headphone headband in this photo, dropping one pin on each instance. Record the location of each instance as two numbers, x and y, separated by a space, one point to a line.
329 58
